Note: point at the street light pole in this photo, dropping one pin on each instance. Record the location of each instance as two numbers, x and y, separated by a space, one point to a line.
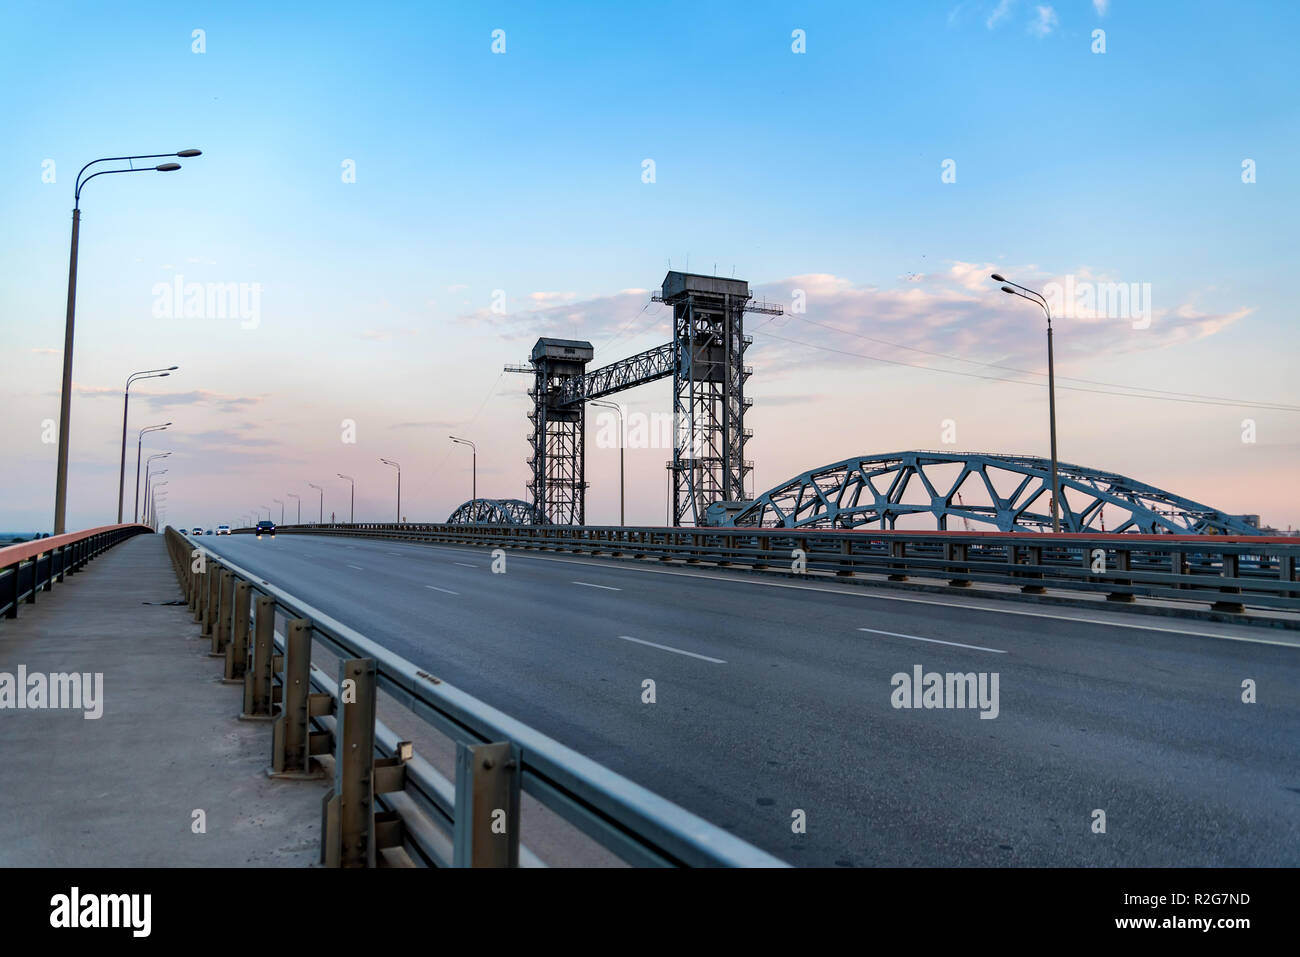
281 504
138 444
147 475
399 487
299 498
474 485
352 504
126 398
622 519
65 401
1036 298
321 520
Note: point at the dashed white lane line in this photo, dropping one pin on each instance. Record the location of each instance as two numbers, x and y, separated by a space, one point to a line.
676 651
465 564
445 591
955 644
590 585
357 567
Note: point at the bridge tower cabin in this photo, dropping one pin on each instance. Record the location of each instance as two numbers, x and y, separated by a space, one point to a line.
558 461
709 403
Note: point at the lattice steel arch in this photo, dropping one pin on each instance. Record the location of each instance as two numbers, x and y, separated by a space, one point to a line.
1008 492
494 511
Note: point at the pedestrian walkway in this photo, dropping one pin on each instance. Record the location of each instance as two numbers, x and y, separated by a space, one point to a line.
127 788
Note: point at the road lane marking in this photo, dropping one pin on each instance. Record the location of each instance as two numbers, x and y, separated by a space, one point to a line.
357 567
871 594
955 644
676 651
590 585
465 564
445 591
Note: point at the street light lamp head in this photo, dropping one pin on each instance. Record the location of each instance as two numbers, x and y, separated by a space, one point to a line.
172 368
188 153
167 167
997 278
1008 290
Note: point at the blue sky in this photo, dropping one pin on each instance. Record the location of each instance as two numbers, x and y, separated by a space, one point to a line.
522 172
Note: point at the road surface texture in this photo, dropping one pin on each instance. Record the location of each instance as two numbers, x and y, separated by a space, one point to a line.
774 698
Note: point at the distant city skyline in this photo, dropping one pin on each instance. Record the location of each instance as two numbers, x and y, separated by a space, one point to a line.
387 212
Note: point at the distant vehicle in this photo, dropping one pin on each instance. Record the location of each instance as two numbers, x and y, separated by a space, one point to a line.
265 527
196 531
208 532
223 529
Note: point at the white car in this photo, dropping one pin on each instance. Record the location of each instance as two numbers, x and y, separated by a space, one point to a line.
223 529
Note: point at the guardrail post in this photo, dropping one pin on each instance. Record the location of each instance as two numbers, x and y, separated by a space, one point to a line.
259 697
846 559
221 633
897 549
1035 557
294 744
486 832
1122 563
11 600
956 553
210 596
348 811
1229 565
237 649
1286 570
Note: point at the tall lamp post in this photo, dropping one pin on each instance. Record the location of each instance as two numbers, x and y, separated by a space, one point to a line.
268 512
352 502
126 398
154 497
1038 300
138 444
622 520
399 487
145 500
299 498
65 402
321 520
474 486
281 504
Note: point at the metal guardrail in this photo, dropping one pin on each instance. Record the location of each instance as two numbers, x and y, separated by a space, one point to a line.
388 805
31 567
1230 573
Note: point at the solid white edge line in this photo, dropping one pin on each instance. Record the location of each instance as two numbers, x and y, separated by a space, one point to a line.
955 644
590 585
676 651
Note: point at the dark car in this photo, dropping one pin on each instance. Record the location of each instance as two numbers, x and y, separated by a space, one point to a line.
265 528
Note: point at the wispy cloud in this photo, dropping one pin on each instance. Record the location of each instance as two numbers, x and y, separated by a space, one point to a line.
1101 6
383 335
999 13
1045 22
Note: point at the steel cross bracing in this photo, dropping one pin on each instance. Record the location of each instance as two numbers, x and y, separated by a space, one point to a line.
1007 492
656 363
494 511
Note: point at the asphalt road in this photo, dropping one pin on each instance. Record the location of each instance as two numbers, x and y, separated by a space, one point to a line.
774 697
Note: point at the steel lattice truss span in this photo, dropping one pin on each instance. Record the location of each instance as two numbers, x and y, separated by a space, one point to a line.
1005 492
494 511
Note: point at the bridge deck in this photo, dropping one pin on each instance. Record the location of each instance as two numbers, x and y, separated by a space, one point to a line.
121 790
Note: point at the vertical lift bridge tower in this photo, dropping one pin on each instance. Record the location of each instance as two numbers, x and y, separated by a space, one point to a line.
706 361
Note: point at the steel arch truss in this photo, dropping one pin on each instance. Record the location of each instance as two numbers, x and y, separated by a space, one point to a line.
494 511
1003 492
